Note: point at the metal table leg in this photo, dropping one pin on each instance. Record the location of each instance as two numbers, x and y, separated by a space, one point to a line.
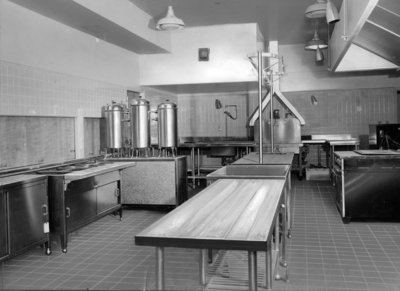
203 266
252 260
268 266
284 231
160 268
289 209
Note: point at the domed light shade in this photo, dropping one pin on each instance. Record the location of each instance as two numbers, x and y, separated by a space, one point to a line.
170 21
316 10
319 56
323 8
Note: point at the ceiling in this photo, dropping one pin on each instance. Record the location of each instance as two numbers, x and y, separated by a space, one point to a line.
281 20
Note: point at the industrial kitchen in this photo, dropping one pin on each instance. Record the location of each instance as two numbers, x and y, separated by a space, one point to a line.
199 145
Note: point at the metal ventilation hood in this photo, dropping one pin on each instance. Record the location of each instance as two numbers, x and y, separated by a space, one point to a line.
367 37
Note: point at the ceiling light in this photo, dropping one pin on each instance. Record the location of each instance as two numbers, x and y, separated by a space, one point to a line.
332 14
316 10
315 43
319 56
323 8
170 21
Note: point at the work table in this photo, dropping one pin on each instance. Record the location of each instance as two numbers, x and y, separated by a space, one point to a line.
368 154
230 214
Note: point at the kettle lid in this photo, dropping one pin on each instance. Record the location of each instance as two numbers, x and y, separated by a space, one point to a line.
139 101
167 105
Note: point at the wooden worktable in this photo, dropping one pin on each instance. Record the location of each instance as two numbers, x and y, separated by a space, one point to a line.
229 214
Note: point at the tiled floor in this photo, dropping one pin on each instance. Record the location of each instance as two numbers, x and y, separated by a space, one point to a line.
323 254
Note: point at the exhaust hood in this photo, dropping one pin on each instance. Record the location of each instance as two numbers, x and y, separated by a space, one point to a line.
368 38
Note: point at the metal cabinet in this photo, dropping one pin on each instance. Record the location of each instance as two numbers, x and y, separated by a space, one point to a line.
24 219
155 181
367 186
75 203
28 213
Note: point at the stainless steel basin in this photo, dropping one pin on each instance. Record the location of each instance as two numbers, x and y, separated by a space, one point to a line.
241 171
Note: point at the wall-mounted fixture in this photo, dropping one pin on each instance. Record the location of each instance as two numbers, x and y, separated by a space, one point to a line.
317 45
229 114
314 100
218 104
323 8
204 54
170 21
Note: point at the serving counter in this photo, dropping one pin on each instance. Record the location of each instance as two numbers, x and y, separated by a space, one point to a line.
367 184
79 197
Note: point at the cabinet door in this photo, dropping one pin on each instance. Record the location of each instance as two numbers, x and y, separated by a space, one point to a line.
27 203
107 197
80 199
3 225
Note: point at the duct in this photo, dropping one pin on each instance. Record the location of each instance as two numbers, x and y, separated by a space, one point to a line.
368 38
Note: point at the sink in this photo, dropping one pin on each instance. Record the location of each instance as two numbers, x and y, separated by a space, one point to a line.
241 171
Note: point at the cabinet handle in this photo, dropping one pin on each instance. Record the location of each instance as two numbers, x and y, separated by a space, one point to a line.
67 212
116 192
45 209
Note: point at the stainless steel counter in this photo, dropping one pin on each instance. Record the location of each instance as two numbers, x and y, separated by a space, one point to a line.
367 184
197 144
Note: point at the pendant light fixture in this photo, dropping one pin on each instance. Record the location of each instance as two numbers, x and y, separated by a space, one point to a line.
317 45
323 8
170 21
332 14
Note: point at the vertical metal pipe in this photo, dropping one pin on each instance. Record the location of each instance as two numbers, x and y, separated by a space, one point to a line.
271 107
193 167
160 268
203 266
260 80
252 260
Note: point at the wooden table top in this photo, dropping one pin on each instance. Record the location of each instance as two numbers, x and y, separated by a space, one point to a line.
229 214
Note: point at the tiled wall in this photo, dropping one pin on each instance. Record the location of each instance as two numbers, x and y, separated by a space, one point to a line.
337 111
36 93
345 111
33 91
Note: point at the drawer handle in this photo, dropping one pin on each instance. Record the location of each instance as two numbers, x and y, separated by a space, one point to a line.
45 209
67 212
116 192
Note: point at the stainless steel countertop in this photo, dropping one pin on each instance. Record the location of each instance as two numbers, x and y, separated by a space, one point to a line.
108 167
5 181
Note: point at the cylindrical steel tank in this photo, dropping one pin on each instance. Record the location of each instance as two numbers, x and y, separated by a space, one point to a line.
167 125
114 118
140 123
